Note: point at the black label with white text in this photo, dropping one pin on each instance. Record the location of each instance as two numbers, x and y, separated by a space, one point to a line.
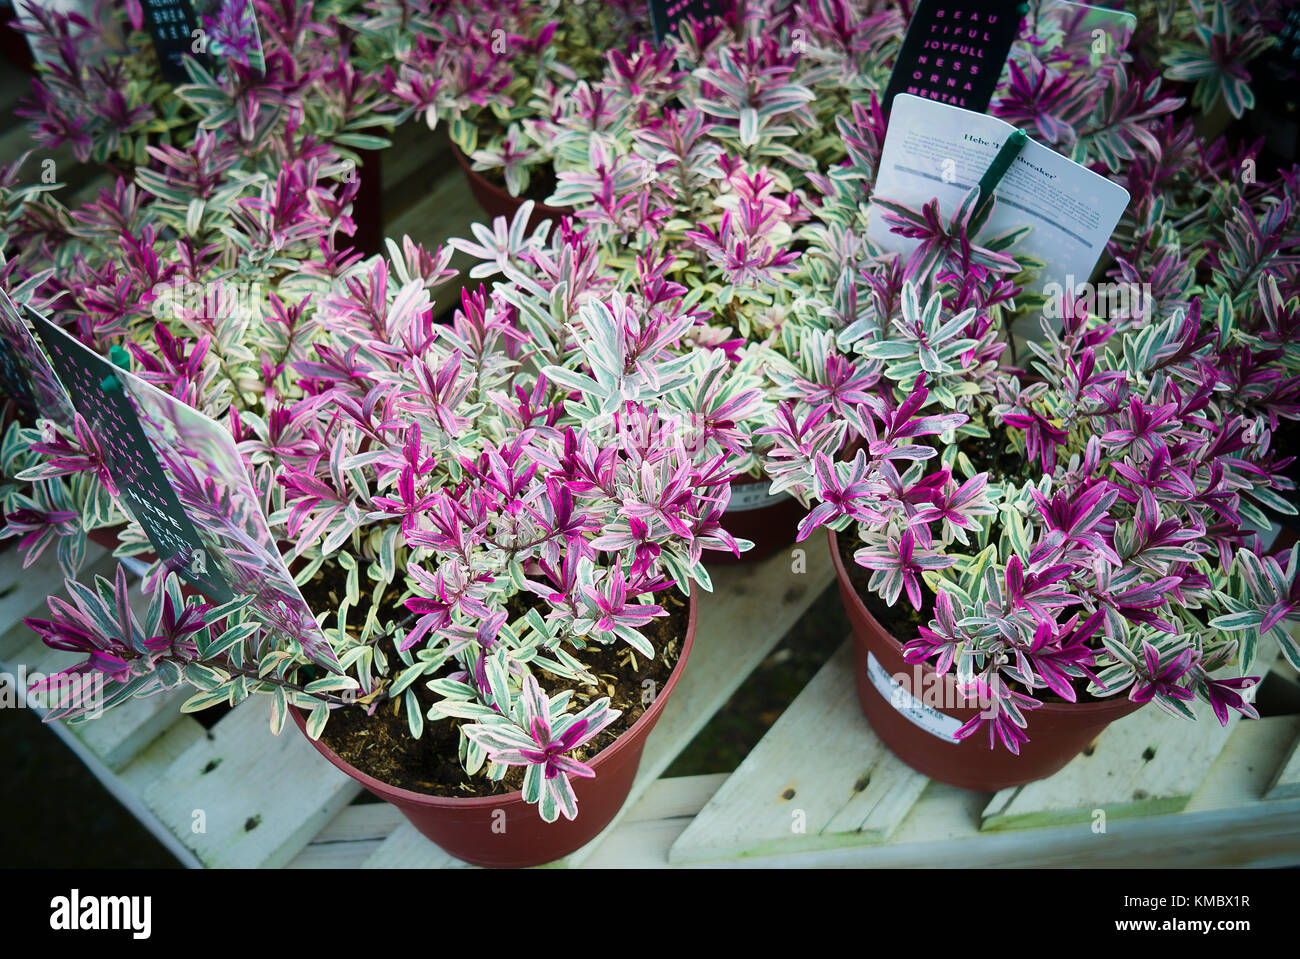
954 52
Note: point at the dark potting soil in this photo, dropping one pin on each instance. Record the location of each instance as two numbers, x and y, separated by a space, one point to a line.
995 455
380 744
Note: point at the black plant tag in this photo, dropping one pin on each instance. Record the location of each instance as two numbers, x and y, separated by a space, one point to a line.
25 372
173 27
217 32
103 402
665 14
954 51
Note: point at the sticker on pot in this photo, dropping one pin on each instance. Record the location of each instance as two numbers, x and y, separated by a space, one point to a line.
749 496
927 717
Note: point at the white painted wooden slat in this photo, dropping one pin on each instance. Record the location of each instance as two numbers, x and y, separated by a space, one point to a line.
125 788
750 610
819 778
1286 784
119 735
23 592
1225 824
1118 777
643 838
350 837
407 848
261 797
116 736
152 762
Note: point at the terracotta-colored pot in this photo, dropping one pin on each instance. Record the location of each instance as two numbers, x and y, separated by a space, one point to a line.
497 202
769 521
921 736
474 829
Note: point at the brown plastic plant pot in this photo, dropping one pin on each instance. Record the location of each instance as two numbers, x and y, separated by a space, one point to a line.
770 526
475 831
497 202
1057 731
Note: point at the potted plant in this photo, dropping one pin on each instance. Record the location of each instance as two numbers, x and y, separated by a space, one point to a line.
200 273
1021 558
692 158
99 89
502 528
1085 530
492 72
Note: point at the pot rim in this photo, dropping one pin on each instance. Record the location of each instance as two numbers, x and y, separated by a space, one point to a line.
927 669
504 196
398 794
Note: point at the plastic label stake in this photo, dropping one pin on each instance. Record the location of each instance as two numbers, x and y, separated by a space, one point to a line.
998 169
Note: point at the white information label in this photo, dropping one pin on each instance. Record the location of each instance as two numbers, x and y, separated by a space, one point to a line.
927 717
1072 210
748 496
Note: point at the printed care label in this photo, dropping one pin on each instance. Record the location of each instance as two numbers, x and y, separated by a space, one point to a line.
182 478
954 52
131 459
928 718
206 469
751 496
936 151
665 14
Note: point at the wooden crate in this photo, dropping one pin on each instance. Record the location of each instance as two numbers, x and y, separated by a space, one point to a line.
1152 791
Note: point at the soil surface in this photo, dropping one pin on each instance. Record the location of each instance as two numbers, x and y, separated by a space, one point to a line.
380 744
995 455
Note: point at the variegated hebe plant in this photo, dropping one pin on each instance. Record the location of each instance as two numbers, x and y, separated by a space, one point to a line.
559 442
522 483
1087 526
495 71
